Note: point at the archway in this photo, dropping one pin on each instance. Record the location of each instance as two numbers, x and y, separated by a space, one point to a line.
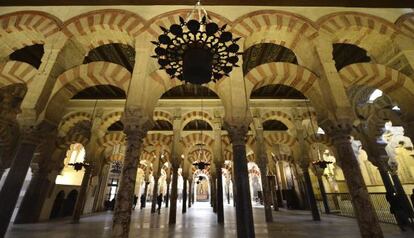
202 188
57 205
69 203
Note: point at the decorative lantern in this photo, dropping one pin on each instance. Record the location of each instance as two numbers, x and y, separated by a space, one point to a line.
196 51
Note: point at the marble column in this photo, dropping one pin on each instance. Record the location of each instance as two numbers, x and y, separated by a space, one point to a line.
262 163
145 193
98 203
244 214
364 210
213 193
34 198
319 173
80 201
220 209
324 196
167 196
190 197
154 195
278 189
10 191
174 192
299 185
228 190
403 198
124 200
309 192
184 208
266 192
272 186
234 193
218 164
1 173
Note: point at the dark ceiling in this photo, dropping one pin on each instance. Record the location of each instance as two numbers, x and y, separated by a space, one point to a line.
266 53
162 125
346 54
276 91
115 53
116 126
101 92
274 125
189 91
339 3
198 125
31 54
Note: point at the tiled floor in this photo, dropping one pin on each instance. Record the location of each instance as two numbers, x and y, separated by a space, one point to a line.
200 222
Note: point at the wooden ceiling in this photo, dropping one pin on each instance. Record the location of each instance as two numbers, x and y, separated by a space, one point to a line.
330 3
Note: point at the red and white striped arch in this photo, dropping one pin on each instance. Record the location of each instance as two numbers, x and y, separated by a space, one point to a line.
392 82
338 21
286 29
377 76
158 139
197 115
280 138
96 28
24 28
70 120
81 77
292 75
112 139
280 116
16 72
406 24
167 19
163 115
271 20
196 138
110 119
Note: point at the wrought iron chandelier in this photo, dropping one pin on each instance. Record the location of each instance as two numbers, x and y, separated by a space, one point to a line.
197 51
322 164
79 165
201 165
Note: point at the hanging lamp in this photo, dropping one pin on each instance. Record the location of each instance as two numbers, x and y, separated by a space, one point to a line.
196 51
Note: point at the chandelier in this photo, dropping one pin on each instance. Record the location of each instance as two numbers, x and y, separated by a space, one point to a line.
196 51
77 166
322 164
201 165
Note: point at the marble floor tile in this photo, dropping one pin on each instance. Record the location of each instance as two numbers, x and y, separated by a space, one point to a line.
200 222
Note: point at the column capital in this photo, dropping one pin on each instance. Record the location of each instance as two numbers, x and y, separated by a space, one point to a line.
219 163
304 164
35 134
339 131
237 132
136 122
10 96
175 163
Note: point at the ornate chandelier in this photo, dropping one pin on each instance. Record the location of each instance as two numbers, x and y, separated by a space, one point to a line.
196 51
201 165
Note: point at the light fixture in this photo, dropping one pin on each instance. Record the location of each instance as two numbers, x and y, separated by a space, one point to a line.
79 164
201 165
200 178
116 167
196 51
319 164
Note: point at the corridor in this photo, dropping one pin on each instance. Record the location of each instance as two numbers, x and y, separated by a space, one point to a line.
200 222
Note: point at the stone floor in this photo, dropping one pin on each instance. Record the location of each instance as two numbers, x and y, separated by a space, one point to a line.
200 222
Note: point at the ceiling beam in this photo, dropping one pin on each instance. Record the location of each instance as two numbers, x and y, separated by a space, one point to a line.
328 3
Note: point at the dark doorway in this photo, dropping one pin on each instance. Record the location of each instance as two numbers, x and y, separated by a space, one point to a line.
70 203
57 205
